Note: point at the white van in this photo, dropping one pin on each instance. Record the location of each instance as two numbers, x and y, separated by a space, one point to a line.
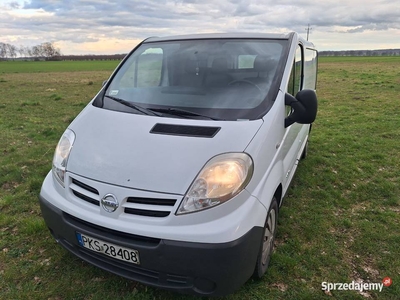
173 174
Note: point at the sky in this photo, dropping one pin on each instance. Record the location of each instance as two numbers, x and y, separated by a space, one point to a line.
110 27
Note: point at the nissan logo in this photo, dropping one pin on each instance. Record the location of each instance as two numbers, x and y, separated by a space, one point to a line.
110 203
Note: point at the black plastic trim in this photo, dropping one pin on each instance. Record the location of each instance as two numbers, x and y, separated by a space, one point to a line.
151 201
86 198
85 186
185 130
146 213
127 238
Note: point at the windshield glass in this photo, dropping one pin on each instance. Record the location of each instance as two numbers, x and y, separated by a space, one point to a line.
223 79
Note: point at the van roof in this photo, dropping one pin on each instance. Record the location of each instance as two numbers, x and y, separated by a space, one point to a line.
232 35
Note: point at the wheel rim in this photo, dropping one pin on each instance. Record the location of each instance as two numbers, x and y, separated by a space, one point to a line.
269 233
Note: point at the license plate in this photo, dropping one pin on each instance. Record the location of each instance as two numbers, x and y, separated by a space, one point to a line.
109 249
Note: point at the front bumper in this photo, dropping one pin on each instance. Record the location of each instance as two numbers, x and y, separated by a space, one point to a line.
188 267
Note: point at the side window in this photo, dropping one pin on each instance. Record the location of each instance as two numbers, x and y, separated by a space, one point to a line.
149 68
296 76
246 61
310 68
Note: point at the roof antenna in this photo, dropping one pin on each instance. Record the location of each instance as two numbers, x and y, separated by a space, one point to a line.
308 30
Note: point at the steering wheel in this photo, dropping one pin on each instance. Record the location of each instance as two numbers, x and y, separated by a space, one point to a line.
238 82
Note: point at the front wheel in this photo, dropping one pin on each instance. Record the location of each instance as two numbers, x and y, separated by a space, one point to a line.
305 152
267 242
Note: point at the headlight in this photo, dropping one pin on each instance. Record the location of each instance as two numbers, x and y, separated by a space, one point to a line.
223 177
61 155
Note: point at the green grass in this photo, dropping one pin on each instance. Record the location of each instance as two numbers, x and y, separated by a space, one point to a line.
339 222
7 67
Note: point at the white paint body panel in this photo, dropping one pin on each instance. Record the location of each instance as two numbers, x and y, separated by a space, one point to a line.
118 148
115 152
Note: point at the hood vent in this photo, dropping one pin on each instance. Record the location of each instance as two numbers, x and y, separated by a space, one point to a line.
184 130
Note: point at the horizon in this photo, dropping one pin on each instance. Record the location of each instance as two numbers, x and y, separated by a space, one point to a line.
19 55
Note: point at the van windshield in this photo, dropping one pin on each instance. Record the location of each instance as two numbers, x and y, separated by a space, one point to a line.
221 79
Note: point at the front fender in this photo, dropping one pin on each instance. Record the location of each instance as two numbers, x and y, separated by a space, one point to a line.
268 185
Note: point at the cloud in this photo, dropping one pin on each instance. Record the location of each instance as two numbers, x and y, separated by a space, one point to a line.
14 5
96 20
373 27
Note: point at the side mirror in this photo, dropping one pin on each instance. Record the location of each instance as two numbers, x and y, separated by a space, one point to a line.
305 107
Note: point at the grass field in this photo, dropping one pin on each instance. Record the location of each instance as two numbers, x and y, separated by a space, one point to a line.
339 223
56 66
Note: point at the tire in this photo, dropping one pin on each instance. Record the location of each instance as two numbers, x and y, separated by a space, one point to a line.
305 152
267 240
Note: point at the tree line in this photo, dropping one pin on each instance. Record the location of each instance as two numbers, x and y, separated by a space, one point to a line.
382 52
45 50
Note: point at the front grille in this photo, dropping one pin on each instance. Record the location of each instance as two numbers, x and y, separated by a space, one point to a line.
151 201
85 186
139 206
85 192
149 207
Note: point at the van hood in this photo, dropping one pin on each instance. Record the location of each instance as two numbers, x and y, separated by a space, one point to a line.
120 149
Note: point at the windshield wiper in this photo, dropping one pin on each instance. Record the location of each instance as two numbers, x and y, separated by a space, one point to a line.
181 112
143 110
156 111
